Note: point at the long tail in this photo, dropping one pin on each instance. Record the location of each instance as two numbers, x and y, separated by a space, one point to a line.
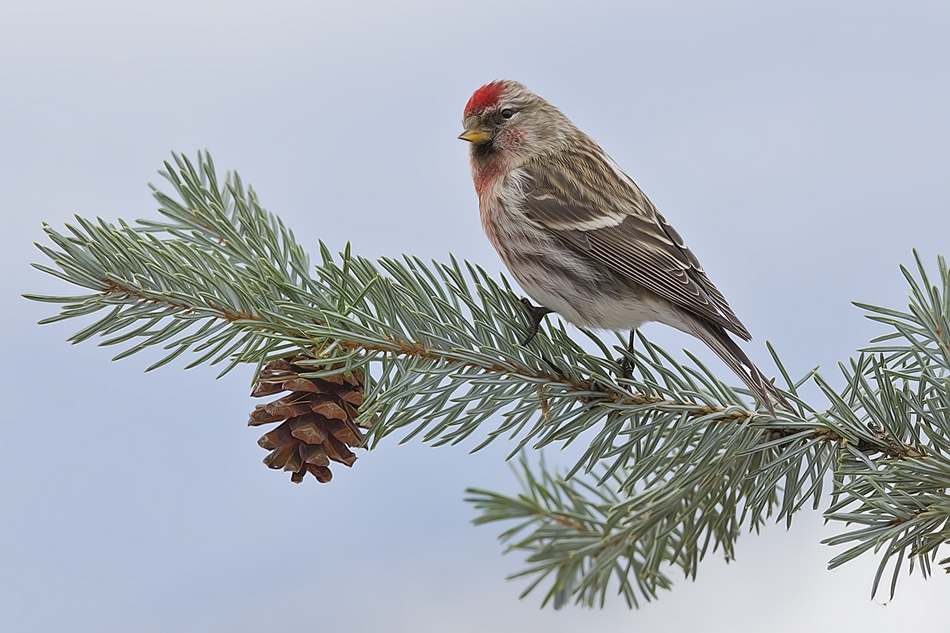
725 348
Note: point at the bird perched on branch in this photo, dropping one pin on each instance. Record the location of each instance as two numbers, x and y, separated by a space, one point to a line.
581 238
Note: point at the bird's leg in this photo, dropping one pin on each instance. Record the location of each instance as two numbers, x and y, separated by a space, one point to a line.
537 314
626 363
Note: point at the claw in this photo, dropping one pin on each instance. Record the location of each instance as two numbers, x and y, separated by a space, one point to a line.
557 370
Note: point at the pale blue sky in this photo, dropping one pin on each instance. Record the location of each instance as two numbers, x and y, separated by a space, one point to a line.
800 150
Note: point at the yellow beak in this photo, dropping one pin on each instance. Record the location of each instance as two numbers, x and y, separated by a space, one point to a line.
476 136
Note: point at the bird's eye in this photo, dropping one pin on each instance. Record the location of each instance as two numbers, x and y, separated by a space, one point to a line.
507 113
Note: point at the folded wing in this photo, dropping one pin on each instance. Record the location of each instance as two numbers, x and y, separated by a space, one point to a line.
599 210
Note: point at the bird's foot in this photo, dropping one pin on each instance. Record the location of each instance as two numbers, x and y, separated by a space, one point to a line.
537 314
626 362
626 367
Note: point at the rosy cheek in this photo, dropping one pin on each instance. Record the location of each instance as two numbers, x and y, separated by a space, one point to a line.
516 138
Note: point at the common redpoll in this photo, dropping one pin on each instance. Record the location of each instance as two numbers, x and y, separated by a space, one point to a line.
581 238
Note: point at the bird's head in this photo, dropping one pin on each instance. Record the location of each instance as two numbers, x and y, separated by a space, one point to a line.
505 119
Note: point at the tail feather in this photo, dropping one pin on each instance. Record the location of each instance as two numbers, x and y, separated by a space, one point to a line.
725 348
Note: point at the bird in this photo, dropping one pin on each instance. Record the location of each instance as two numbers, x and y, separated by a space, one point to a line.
581 238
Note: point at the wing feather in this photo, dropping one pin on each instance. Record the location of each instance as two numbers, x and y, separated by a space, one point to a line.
599 210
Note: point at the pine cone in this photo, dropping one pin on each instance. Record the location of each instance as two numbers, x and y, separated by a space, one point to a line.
317 418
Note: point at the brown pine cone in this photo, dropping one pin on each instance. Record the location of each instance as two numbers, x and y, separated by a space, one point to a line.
318 418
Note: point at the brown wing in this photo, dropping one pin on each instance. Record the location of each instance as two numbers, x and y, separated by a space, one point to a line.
594 207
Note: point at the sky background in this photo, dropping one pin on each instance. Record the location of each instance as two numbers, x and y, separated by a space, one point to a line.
801 150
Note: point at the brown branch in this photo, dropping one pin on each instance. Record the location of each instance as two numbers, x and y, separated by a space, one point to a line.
415 349
230 316
913 515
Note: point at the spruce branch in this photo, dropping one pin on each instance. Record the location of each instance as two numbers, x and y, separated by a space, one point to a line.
223 277
676 460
